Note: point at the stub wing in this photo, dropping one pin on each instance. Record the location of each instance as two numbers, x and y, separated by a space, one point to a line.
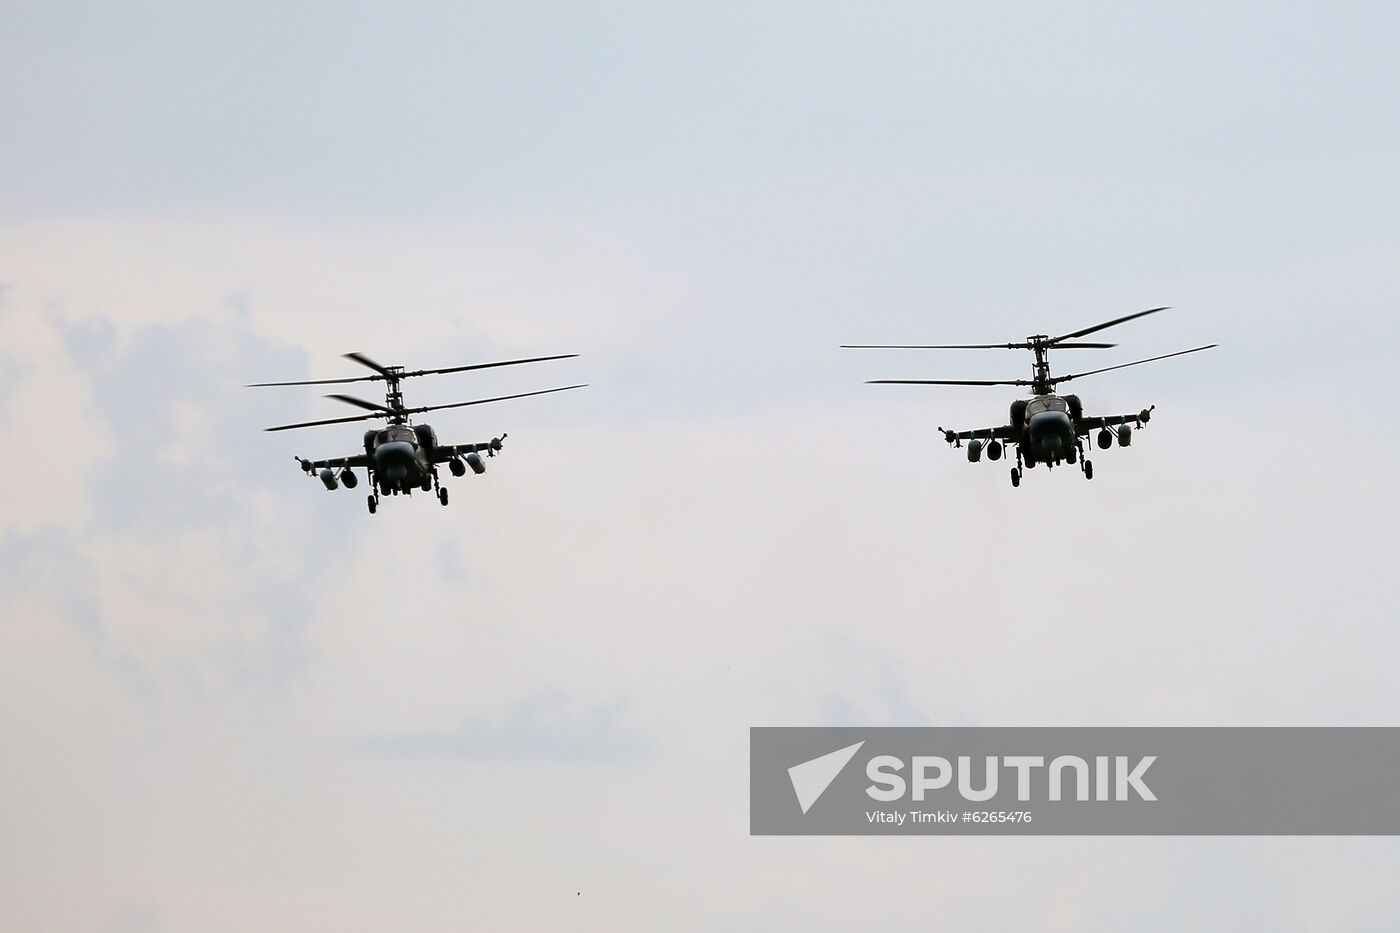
1085 425
335 463
447 452
1003 433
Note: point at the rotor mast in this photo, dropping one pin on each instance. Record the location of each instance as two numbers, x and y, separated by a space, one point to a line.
393 395
1041 383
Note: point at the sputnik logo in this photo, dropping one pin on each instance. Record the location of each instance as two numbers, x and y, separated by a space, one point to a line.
810 779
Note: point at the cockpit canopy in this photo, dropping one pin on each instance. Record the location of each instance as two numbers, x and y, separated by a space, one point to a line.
396 432
1044 404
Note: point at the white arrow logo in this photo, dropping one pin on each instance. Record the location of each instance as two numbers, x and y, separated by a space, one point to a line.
811 778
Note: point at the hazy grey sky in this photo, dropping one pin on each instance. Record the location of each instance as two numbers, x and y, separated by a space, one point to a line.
232 701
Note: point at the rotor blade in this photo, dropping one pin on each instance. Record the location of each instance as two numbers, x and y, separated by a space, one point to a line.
1113 323
312 382
366 361
1167 356
946 382
462 369
969 346
312 424
361 358
934 346
360 403
483 401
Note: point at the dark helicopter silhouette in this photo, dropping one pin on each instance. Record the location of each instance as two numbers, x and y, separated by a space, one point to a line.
401 456
1048 428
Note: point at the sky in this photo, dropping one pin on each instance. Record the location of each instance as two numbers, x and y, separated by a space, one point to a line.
231 700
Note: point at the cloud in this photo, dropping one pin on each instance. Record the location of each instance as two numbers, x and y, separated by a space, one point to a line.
179 514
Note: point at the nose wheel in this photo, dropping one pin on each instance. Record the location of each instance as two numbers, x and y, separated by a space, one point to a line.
373 503
1015 476
442 494
1088 469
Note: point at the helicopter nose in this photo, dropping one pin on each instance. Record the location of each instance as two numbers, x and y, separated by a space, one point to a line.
1051 429
392 459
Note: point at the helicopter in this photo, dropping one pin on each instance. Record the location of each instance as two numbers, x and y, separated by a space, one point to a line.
1048 428
401 456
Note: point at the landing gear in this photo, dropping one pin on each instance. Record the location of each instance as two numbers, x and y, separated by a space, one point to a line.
1071 455
1088 469
442 495
1015 476
373 503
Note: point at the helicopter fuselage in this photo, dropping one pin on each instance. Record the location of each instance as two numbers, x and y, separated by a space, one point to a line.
402 456
1048 427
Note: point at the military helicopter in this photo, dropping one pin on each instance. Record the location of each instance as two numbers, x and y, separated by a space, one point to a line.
401 456
1048 428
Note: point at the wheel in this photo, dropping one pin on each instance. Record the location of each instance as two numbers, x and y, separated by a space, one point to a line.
1015 477
1071 455
427 484
442 495
1088 470
373 504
